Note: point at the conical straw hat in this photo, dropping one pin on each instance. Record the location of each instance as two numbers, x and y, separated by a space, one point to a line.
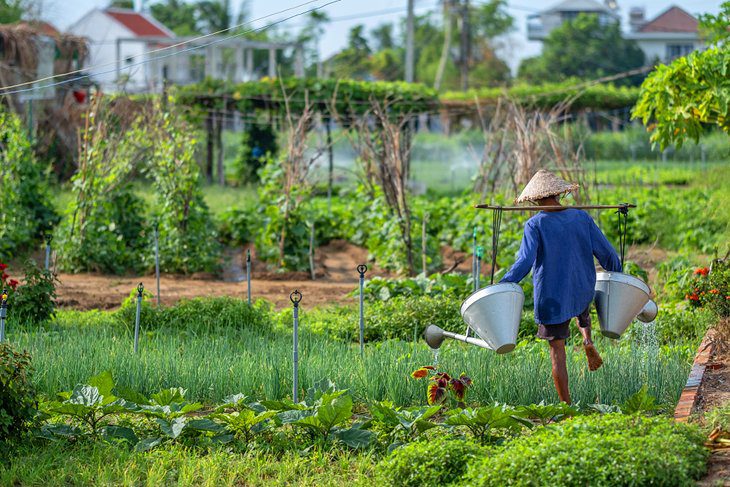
544 184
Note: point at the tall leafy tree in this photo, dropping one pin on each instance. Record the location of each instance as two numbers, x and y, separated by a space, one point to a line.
177 15
11 11
582 48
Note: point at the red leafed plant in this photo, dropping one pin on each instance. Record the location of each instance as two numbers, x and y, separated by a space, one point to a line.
441 384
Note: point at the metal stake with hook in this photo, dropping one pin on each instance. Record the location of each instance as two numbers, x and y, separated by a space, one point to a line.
362 269
3 313
295 298
140 291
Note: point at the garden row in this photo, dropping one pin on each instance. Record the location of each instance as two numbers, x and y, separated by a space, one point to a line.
424 445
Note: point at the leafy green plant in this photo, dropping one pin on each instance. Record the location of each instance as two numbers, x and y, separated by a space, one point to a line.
640 402
483 421
600 450
547 413
401 425
246 420
17 393
90 406
433 462
325 417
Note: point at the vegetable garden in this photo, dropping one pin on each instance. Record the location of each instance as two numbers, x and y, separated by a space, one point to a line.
208 397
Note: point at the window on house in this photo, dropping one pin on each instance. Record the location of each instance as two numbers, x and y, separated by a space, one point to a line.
678 50
568 15
197 67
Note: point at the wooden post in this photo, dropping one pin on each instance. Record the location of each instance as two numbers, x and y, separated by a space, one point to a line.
209 146
331 166
272 63
311 250
423 244
219 142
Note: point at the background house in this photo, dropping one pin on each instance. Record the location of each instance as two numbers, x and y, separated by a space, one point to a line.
541 24
123 44
671 34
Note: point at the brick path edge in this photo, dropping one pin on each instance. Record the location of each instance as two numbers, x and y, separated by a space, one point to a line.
688 398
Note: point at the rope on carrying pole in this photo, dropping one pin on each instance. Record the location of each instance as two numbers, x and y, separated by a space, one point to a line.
623 227
496 224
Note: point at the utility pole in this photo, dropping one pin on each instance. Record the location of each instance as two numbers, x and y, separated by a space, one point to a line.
465 47
409 42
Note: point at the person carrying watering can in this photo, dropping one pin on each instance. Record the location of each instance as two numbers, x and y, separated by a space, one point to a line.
558 246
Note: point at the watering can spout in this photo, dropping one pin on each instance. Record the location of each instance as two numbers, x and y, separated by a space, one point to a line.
435 336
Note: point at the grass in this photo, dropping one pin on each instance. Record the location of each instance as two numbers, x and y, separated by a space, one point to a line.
214 365
105 464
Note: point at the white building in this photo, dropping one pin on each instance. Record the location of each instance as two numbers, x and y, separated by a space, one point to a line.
113 62
541 24
671 34
132 51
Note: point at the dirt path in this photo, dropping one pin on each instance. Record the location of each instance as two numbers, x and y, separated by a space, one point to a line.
336 277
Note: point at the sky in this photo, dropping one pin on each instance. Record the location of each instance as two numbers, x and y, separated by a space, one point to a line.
347 13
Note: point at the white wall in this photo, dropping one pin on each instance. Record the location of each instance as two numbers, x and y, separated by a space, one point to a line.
102 32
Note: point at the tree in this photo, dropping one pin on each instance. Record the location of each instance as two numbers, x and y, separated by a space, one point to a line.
677 101
582 48
11 11
353 61
129 4
310 36
177 15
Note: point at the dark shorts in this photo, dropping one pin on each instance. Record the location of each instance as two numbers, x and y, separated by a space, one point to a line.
561 331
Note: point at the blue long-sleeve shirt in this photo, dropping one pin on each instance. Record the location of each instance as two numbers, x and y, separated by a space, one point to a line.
559 247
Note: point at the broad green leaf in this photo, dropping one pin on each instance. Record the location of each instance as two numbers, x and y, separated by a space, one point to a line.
355 438
120 433
147 444
86 396
103 382
205 424
173 428
169 396
131 395
334 410
294 415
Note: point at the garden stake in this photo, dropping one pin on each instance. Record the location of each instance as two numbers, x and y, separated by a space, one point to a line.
140 290
295 298
311 250
248 275
362 269
48 253
157 260
480 255
3 313
423 244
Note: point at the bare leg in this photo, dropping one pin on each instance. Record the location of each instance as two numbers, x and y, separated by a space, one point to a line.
560 369
594 358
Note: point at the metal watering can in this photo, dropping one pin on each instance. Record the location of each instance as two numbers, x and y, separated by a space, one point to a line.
619 299
493 313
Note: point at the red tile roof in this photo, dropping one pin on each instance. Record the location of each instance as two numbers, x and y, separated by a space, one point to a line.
43 27
674 19
139 24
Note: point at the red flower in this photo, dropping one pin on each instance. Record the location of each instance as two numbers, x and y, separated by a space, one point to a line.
693 297
702 271
3 266
714 291
13 284
4 277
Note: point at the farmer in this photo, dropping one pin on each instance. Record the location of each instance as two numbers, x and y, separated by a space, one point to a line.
558 246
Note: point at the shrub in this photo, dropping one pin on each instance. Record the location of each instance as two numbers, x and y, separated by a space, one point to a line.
27 212
611 449
436 462
34 301
17 394
198 315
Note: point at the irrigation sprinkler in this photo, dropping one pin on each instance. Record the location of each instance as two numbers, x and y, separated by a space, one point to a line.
157 260
3 313
248 275
295 298
362 269
140 291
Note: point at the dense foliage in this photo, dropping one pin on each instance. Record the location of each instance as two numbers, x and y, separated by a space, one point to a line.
431 463
32 300
17 393
598 450
585 47
677 101
27 213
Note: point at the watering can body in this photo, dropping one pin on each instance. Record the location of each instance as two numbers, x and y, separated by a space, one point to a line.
620 298
494 313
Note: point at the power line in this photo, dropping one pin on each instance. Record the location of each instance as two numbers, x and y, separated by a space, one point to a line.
182 43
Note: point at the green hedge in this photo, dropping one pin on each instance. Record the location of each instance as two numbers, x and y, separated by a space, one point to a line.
429 463
607 450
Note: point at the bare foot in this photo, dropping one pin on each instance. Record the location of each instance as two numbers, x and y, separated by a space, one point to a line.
594 359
